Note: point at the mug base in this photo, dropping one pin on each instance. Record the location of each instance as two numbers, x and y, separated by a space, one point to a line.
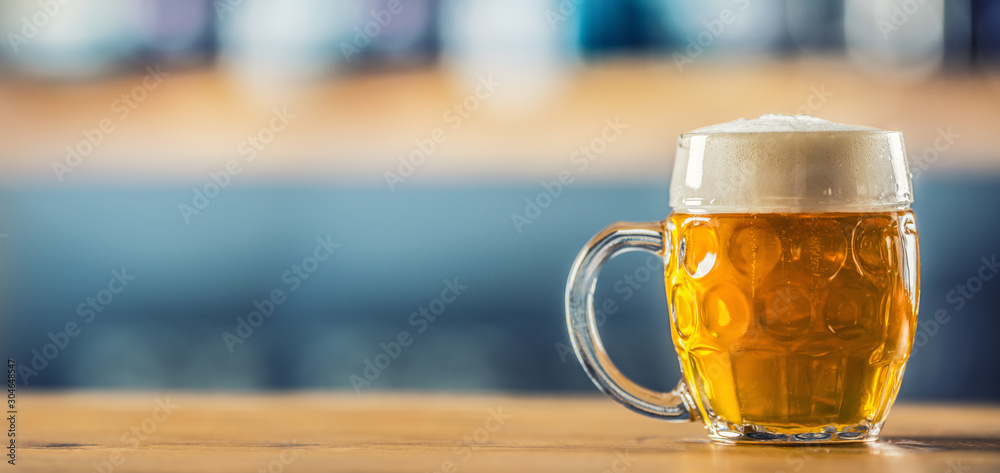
753 434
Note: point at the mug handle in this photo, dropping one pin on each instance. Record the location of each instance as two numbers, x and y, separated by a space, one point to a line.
621 237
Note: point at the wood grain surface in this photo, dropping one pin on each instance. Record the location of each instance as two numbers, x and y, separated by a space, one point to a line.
86 431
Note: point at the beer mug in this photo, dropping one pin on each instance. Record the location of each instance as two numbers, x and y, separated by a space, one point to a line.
791 272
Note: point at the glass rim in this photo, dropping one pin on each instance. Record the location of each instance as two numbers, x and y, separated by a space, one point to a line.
787 132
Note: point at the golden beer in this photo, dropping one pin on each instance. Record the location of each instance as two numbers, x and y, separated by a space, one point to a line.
791 270
781 320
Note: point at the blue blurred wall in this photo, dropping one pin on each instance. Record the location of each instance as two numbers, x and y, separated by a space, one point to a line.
505 331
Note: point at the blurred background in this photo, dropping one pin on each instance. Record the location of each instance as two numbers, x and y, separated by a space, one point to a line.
166 166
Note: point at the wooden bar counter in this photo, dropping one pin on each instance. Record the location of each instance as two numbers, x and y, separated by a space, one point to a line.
106 431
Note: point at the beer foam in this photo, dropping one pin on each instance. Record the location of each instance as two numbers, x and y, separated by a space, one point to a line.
777 123
781 163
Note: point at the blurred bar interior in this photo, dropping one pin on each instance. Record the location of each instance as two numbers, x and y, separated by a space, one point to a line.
411 132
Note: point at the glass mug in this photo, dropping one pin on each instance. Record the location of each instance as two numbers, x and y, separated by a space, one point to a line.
791 272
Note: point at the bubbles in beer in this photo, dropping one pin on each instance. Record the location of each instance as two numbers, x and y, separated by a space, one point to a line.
784 310
911 277
821 249
800 316
851 307
754 249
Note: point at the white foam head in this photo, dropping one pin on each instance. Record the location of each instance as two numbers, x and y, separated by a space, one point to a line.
781 163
